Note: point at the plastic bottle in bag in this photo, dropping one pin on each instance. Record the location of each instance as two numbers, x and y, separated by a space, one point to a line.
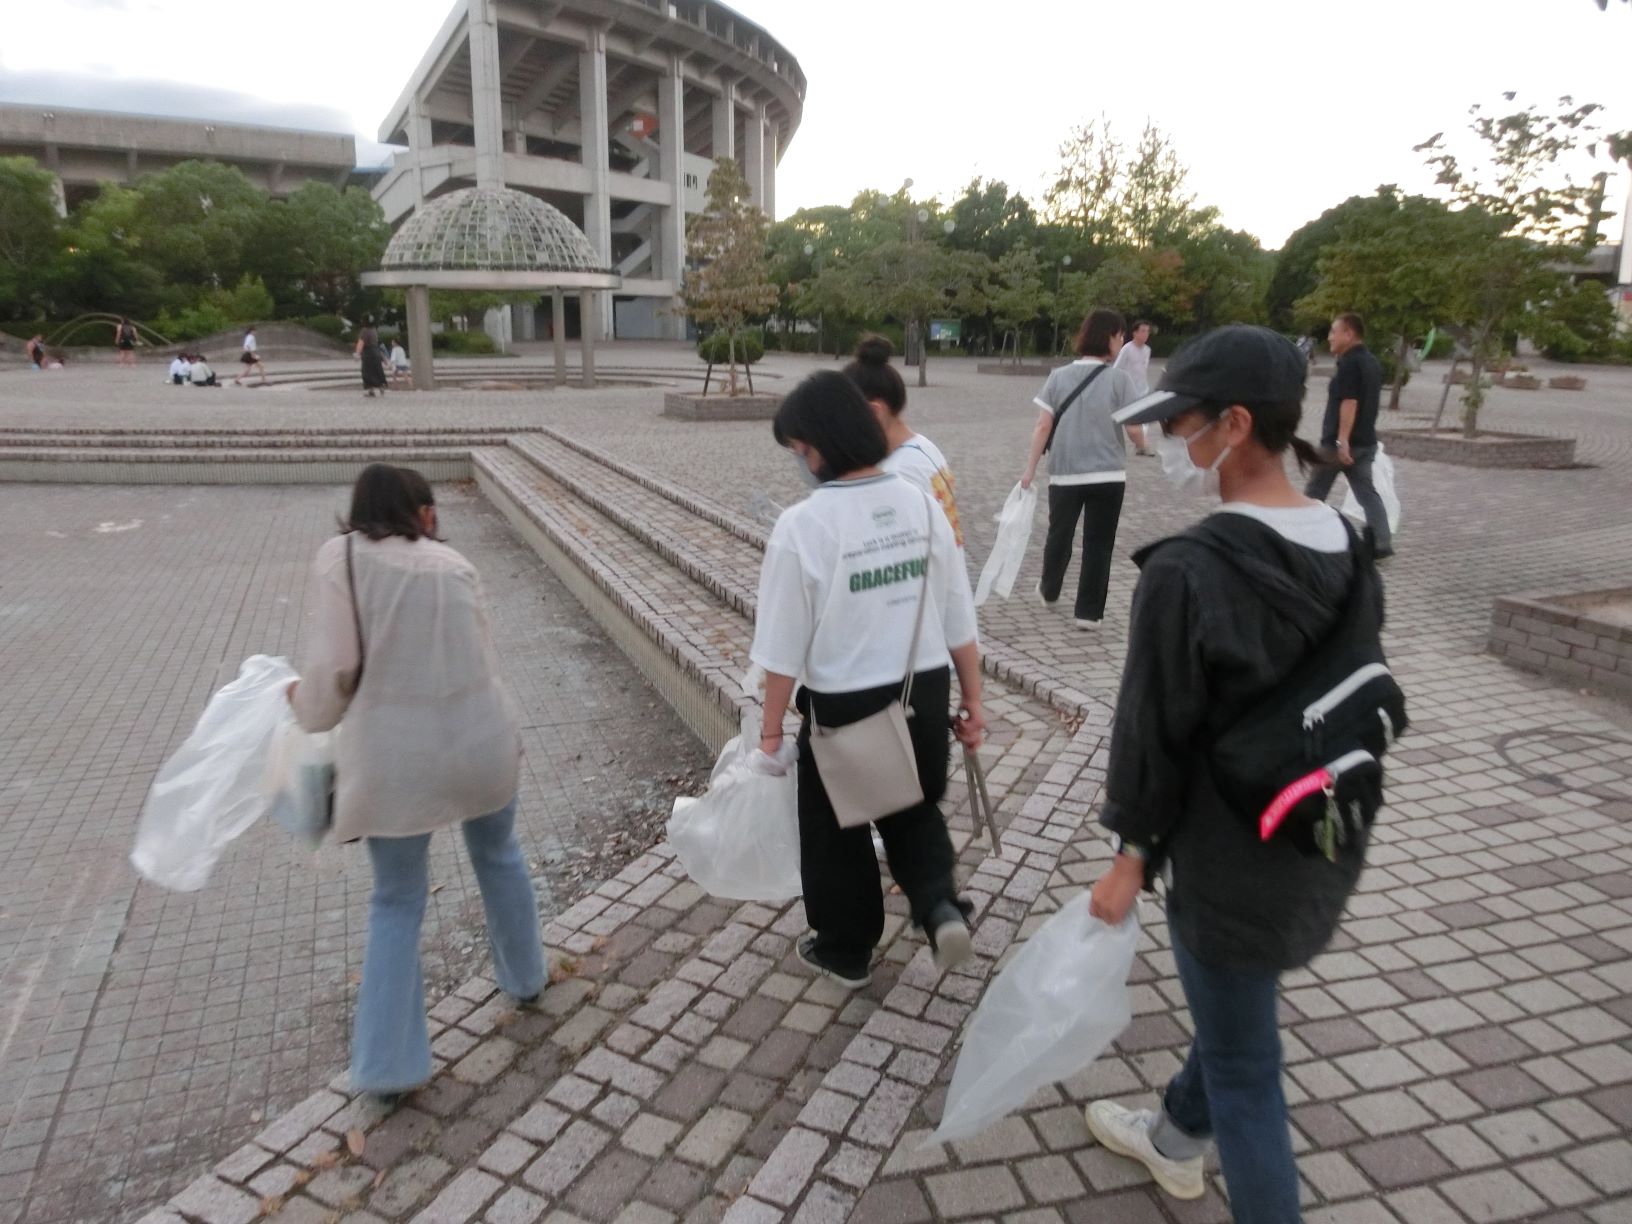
211 790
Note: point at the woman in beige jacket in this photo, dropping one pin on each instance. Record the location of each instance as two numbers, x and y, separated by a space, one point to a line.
400 657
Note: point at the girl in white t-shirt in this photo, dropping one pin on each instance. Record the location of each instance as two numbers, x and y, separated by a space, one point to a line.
838 598
911 455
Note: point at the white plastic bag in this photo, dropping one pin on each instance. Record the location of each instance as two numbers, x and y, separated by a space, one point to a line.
210 791
299 782
1051 1012
741 839
1382 475
1013 536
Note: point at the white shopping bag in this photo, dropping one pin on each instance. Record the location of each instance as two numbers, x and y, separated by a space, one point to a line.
210 791
299 782
1050 1013
741 839
1382 475
1013 536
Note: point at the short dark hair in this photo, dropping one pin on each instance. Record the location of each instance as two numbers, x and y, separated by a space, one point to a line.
1353 322
385 501
874 376
1138 323
1094 340
829 413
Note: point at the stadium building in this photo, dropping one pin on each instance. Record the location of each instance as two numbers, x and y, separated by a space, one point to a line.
613 111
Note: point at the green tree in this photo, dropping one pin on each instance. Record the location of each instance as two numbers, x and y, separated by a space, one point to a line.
991 219
1017 296
1395 263
911 282
1296 272
1520 176
103 268
729 280
1085 193
313 247
30 235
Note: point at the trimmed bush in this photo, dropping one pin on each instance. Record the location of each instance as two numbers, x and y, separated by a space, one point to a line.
716 348
470 343
332 326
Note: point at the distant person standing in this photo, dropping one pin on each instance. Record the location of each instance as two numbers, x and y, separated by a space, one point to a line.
399 360
124 336
250 359
368 352
36 351
1350 430
1135 359
1087 472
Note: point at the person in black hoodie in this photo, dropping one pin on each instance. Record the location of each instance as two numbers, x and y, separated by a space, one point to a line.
1222 615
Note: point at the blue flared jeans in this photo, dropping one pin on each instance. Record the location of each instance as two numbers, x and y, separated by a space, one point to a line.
390 1042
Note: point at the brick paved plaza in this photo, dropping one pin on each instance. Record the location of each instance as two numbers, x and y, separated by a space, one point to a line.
1462 1053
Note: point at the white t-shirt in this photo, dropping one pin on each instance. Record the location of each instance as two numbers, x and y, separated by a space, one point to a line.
839 590
1316 526
249 343
201 372
919 461
399 357
179 368
1135 359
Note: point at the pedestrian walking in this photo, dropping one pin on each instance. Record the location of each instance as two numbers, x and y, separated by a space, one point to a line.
1135 359
400 651
124 337
1349 431
399 360
250 359
911 456
373 366
865 605
1228 620
1087 474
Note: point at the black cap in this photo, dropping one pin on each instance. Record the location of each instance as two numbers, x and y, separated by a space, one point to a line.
1238 364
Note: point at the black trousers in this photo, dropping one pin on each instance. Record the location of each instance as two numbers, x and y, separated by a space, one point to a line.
844 900
1100 508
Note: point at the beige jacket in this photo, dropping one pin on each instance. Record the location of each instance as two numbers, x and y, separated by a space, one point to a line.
431 737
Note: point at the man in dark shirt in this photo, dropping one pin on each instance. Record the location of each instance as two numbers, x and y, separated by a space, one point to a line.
1350 429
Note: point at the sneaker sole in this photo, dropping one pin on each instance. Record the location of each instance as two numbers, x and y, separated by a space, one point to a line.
1111 1143
833 975
953 945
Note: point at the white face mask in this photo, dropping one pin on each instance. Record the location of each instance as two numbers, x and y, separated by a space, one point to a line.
809 477
1181 469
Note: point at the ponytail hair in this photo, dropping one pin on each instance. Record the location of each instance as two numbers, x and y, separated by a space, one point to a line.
874 376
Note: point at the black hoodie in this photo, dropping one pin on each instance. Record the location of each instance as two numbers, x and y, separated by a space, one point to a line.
1211 636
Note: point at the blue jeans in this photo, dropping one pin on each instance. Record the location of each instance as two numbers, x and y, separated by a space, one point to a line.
1230 1090
390 1044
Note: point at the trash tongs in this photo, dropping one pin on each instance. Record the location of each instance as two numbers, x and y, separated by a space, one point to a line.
980 802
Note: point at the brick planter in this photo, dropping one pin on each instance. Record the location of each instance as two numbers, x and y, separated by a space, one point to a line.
1583 639
1522 382
686 406
1488 450
1567 382
1026 369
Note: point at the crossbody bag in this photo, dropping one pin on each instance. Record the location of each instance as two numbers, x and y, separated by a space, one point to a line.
868 768
1059 413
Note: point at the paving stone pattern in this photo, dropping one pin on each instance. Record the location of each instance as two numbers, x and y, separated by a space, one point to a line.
1462 1052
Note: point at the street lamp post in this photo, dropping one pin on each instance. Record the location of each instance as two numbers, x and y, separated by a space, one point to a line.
1059 277
810 251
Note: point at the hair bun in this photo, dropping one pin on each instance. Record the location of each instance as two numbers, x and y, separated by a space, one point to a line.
874 350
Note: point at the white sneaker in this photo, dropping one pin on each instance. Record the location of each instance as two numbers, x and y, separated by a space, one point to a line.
1084 623
1127 1133
1047 603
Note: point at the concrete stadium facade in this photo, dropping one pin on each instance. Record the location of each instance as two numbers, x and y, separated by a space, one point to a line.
86 148
612 110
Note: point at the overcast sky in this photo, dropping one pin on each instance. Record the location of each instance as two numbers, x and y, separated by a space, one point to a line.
1281 108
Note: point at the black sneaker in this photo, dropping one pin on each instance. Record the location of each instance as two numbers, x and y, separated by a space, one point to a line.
847 976
947 929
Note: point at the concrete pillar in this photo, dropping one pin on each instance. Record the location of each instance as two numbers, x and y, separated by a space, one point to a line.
753 156
725 120
558 334
593 120
771 151
588 314
671 222
59 195
524 320
486 103
419 143
419 338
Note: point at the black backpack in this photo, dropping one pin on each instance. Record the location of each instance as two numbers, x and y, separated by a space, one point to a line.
1304 762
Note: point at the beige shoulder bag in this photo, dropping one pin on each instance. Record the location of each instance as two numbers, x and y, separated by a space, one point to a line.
868 768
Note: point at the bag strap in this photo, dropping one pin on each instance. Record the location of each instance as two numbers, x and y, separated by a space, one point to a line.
356 612
923 597
1069 400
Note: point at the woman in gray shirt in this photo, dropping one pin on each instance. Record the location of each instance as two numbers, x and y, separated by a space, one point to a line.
1086 470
